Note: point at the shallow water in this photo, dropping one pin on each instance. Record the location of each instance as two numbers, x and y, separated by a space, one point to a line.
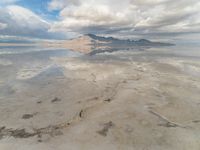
147 95
29 62
21 64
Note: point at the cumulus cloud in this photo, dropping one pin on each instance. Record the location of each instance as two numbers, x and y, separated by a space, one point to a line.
136 18
19 21
142 17
60 4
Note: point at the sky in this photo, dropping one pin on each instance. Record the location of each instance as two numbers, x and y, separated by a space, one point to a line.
63 19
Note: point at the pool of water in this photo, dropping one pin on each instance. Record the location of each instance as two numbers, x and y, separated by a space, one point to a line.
20 66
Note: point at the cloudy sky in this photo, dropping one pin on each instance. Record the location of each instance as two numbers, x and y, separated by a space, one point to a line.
60 19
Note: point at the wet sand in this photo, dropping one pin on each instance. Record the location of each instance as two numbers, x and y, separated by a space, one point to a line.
123 100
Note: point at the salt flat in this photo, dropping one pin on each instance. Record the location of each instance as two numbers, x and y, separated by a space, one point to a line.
123 100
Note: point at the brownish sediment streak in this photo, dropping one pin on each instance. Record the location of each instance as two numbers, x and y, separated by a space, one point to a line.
20 44
83 44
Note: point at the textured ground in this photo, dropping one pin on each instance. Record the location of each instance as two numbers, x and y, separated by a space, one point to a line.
110 104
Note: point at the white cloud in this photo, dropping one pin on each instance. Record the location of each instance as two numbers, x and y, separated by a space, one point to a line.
114 17
127 16
60 4
20 21
26 18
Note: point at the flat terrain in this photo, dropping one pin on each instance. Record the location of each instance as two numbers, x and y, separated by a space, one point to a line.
119 101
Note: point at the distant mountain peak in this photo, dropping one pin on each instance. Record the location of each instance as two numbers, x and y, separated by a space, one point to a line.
144 41
101 38
91 42
90 35
124 42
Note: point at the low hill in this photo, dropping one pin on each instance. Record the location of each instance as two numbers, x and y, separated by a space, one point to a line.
90 42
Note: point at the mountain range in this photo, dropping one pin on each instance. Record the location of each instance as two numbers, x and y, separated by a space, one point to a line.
116 41
91 43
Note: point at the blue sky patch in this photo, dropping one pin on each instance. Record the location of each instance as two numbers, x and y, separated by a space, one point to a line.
39 7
